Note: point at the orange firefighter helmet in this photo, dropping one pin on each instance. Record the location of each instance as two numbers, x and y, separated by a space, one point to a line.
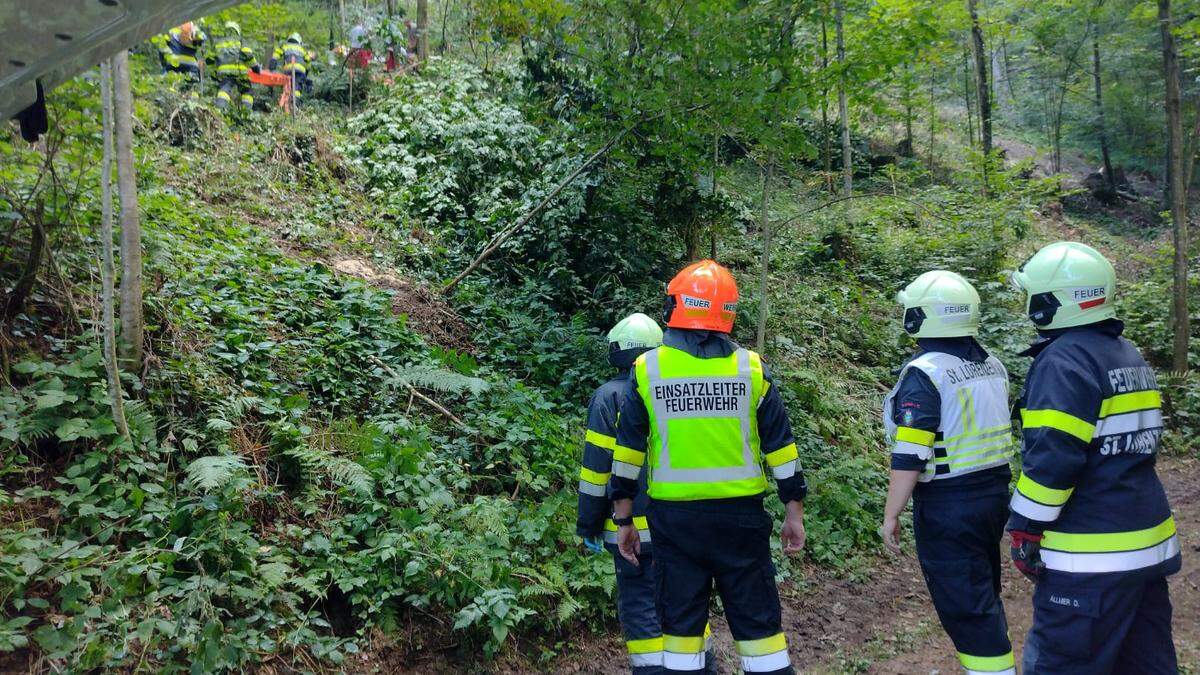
703 296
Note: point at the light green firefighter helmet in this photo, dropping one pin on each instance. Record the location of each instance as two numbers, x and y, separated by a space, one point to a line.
232 28
1067 284
940 304
636 331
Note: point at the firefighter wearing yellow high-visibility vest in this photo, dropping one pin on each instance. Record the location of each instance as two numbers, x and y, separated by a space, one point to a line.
1090 521
702 414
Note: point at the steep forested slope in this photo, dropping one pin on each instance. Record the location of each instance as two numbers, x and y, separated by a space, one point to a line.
336 465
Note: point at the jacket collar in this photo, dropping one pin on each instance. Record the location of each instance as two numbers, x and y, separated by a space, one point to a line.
703 344
965 348
1110 327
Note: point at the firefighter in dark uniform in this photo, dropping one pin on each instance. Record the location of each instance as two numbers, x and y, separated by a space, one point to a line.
292 59
234 61
948 416
702 415
179 49
1090 521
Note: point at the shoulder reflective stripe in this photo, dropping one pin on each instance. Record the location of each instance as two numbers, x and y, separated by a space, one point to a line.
1041 493
761 646
987 664
1030 509
1120 561
1129 422
626 470
600 440
680 644
593 476
646 660
628 455
785 454
645 646
906 448
1134 400
592 489
1057 419
918 436
1073 542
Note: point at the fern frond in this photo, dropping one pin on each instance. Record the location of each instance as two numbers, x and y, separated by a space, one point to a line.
214 472
438 379
338 470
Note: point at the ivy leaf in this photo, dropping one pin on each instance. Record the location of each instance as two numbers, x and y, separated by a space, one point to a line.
72 429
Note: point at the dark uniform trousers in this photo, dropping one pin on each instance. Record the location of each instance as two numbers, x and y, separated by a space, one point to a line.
958 545
698 544
1096 624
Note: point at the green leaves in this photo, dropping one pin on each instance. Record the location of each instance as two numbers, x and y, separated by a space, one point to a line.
215 472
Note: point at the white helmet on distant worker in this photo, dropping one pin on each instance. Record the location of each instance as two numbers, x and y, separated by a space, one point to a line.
940 304
1067 284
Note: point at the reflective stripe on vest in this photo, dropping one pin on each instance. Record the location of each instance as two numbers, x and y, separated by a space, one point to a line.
704 440
975 430
1110 552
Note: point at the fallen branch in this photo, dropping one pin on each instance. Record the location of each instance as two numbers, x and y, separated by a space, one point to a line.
508 232
423 398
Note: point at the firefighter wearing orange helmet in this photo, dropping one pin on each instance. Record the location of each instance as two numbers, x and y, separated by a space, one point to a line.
701 414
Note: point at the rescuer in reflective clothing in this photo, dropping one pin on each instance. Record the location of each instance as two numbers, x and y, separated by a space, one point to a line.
234 62
178 50
949 420
702 414
1090 520
291 58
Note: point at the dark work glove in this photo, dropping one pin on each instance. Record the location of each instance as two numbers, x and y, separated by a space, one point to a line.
1026 552
256 68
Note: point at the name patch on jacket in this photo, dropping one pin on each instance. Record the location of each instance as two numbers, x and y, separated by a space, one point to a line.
971 370
1132 379
710 396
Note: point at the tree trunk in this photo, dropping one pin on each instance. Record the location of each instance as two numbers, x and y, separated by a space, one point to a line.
932 123
391 8
423 30
1101 128
116 397
716 158
908 108
764 273
843 106
826 145
131 230
983 96
1179 306
968 103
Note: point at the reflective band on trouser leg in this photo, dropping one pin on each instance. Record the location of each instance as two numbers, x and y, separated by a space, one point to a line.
646 653
991 665
764 655
1110 552
683 653
247 100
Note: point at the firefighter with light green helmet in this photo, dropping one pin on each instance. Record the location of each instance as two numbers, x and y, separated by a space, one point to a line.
951 440
1091 524
629 339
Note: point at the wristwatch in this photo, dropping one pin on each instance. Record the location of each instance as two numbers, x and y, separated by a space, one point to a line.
622 522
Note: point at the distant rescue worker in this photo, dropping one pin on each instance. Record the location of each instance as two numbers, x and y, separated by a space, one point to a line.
234 61
178 50
701 414
1090 522
292 59
360 48
948 416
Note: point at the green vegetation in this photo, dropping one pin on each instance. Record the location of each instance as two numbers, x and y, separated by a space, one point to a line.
329 465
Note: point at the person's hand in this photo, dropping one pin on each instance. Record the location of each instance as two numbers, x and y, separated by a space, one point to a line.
629 543
890 532
593 544
1026 551
792 535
